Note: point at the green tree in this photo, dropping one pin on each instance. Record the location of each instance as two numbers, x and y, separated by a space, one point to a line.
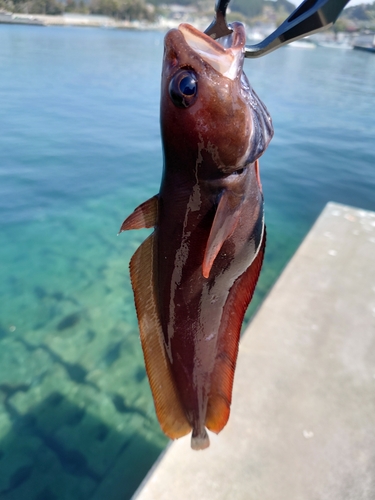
122 9
51 7
249 8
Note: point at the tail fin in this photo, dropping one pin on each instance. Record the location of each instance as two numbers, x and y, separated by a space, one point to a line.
200 439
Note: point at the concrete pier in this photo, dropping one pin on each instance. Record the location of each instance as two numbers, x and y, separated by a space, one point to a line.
302 425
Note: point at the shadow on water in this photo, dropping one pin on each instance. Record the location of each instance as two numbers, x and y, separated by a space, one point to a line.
58 451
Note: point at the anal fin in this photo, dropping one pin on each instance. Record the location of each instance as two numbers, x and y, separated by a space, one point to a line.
144 216
240 295
168 407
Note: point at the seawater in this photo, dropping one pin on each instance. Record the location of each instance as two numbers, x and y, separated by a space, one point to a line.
79 149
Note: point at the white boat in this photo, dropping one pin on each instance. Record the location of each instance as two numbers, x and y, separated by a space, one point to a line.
336 45
302 44
10 18
365 41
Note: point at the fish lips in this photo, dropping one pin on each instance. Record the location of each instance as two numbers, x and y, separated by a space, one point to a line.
187 45
214 120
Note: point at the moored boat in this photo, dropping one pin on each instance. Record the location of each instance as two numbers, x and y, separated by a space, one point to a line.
305 43
365 41
10 18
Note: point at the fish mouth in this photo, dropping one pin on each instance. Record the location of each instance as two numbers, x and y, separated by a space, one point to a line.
225 54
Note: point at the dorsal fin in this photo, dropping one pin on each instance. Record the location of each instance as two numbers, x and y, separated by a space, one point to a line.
229 334
144 216
168 407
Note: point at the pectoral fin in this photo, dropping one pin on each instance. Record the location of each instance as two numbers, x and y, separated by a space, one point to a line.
223 226
144 216
229 334
168 407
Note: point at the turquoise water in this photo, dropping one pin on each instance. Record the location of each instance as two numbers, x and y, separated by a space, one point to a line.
79 149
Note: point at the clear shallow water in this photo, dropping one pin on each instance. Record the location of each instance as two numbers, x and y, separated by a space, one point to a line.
79 149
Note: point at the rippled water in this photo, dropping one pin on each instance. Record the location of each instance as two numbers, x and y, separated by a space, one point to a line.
79 149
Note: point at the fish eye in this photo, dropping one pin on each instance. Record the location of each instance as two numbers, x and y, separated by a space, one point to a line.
183 88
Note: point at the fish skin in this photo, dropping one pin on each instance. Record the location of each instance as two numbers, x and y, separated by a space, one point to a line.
209 232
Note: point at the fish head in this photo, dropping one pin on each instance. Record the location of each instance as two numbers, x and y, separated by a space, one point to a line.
209 112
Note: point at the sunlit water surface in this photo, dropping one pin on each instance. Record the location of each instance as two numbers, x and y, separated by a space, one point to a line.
79 149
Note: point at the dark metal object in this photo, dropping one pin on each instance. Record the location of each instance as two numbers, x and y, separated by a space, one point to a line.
308 18
219 27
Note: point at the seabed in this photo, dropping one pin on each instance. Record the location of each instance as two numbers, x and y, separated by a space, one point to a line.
302 424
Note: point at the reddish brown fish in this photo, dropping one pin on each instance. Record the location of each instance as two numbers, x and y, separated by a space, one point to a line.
194 277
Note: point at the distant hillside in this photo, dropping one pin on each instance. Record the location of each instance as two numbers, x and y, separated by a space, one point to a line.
269 12
363 12
148 9
253 8
249 8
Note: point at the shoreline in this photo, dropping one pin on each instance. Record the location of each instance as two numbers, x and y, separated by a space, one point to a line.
94 21
163 24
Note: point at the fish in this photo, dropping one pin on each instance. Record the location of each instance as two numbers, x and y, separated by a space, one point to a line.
194 276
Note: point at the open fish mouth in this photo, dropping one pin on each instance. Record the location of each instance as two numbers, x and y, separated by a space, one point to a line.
225 55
